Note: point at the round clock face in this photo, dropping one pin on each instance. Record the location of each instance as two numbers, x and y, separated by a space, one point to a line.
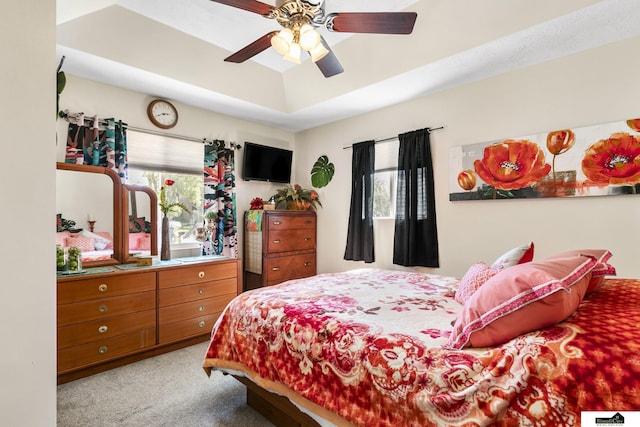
162 113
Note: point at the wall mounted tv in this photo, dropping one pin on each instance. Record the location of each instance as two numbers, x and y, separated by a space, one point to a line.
264 163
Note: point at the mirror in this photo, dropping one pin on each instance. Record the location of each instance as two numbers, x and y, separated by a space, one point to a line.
140 231
89 212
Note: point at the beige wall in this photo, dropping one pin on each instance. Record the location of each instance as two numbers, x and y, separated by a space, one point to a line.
90 97
596 86
27 287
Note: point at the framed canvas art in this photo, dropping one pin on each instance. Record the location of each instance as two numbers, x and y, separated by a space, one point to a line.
594 160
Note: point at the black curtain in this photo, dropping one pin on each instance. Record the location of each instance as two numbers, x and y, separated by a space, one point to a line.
360 232
416 239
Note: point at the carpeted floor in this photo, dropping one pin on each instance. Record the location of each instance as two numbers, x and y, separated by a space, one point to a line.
168 390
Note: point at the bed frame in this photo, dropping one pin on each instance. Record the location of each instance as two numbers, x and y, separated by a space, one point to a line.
275 408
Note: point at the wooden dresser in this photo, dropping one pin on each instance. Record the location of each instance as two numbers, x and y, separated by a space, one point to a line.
115 316
284 248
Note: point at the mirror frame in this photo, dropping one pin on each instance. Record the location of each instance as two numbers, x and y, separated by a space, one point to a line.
118 253
153 208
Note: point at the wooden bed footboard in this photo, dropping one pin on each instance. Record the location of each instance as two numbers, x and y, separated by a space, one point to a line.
277 409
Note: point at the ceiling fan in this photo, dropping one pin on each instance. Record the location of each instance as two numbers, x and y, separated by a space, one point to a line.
301 18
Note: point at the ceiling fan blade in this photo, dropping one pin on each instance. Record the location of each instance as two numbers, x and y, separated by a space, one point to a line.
252 49
372 22
329 64
250 5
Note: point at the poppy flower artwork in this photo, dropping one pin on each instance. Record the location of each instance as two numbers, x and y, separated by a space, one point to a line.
587 161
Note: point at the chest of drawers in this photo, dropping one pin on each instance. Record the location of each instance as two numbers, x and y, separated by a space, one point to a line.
117 317
191 298
101 318
284 248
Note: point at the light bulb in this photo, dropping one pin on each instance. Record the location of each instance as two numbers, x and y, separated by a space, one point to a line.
281 42
294 53
309 38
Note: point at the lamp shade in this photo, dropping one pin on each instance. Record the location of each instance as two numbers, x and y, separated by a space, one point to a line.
318 52
309 38
281 42
294 53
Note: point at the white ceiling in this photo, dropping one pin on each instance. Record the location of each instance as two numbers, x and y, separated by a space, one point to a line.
175 49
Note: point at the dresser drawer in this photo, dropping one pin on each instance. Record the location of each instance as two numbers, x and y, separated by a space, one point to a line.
291 222
106 307
291 240
189 310
103 350
81 333
180 294
187 328
279 269
197 274
87 289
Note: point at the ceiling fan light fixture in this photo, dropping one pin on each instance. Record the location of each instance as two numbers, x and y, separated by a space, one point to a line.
309 37
318 52
282 41
294 53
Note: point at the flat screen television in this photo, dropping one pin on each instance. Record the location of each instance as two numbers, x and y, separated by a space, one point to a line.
264 163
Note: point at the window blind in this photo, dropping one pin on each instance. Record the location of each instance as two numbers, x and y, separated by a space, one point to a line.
387 155
164 153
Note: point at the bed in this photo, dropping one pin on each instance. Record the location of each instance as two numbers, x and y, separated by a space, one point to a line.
374 347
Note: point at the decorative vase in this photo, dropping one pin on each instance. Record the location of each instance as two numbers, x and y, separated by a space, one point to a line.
298 205
165 248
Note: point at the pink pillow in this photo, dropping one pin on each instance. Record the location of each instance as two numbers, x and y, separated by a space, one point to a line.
602 268
84 243
144 242
515 256
133 241
521 299
61 238
475 277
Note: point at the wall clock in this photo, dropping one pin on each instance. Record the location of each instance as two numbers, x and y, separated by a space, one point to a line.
162 113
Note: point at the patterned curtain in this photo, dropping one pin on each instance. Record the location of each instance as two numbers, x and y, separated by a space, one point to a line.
90 145
219 200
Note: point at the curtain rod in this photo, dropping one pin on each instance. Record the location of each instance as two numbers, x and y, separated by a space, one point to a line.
391 138
75 118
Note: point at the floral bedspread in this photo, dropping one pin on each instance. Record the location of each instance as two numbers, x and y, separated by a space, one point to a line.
365 348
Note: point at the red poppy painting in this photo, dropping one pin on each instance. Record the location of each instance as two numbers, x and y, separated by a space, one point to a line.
587 161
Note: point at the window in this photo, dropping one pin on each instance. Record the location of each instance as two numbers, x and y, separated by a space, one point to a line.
384 194
154 159
385 179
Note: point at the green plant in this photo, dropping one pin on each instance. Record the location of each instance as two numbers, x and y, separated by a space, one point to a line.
322 172
166 207
296 195
61 82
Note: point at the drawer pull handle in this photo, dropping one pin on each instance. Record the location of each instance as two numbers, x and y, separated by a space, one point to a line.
201 324
306 239
201 291
103 288
102 308
201 274
276 241
201 308
103 349
102 329
275 269
277 222
307 264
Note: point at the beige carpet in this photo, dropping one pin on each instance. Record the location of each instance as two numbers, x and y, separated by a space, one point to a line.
168 390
